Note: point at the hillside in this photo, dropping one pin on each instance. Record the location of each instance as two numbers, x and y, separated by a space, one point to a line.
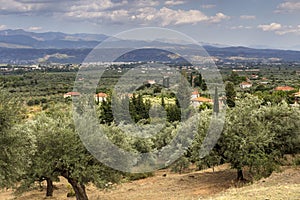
22 47
205 184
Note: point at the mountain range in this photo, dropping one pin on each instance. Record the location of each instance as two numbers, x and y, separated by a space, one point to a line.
23 47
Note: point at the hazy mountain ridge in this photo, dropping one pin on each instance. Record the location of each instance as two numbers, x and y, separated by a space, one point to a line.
21 47
48 40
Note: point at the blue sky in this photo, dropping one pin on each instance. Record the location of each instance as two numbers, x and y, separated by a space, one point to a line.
254 23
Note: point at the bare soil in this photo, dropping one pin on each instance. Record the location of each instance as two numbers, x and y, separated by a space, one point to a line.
206 184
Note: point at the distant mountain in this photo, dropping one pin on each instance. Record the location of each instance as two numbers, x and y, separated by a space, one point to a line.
21 47
56 40
245 53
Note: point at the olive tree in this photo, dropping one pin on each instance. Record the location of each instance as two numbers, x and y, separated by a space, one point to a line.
15 147
257 135
60 152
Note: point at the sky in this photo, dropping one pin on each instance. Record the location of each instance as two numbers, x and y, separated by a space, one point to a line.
252 23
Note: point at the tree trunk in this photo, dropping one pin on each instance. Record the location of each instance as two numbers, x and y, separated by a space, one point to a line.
240 175
79 189
49 192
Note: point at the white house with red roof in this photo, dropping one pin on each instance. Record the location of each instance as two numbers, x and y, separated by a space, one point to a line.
245 85
71 94
100 97
200 100
195 94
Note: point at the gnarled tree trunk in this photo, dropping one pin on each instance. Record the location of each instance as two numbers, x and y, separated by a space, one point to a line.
79 189
240 175
49 192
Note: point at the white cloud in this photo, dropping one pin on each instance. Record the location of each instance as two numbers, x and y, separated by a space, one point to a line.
208 6
247 17
139 12
35 28
17 6
166 16
289 6
144 3
270 27
240 27
47 7
95 5
289 30
177 17
279 29
100 16
144 16
218 18
2 27
173 3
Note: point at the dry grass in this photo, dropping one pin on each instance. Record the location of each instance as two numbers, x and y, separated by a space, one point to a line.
279 186
205 184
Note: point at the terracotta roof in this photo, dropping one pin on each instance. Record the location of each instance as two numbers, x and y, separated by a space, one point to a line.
202 99
246 83
101 94
130 95
195 93
284 88
73 93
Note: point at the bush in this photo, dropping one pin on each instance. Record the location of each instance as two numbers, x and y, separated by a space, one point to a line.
180 165
297 161
133 177
71 192
30 102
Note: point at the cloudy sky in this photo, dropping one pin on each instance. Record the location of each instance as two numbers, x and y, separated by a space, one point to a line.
254 23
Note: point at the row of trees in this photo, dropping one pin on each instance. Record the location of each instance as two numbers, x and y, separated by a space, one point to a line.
255 135
45 148
138 110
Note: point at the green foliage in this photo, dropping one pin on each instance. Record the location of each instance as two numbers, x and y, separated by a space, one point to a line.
71 192
230 94
39 85
180 165
173 113
205 106
235 78
255 135
16 144
138 108
215 156
105 112
297 161
60 152
138 176
246 137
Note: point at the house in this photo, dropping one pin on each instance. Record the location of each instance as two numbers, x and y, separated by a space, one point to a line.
297 94
195 94
150 82
297 97
254 76
264 83
100 97
71 94
284 88
296 105
245 85
200 100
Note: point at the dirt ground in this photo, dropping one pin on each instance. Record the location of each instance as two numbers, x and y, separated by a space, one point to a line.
206 184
